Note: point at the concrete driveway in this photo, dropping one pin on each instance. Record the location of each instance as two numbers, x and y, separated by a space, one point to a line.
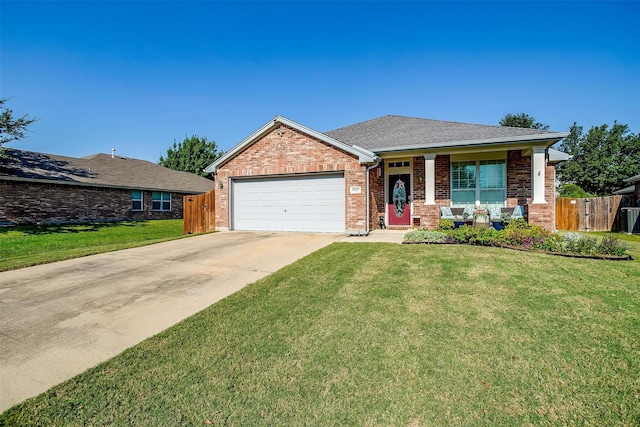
57 320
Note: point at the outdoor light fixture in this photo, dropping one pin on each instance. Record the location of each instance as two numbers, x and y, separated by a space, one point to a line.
220 185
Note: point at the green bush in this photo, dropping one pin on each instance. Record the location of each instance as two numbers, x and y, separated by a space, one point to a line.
446 224
521 233
425 236
573 191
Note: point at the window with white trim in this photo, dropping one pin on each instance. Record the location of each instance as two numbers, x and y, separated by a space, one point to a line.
161 201
136 200
478 182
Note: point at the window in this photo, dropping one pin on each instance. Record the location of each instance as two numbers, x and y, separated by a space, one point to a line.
478 182
136 200
404 164
161 201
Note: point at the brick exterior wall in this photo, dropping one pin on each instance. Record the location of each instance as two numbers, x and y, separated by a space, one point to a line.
545 214
39 203
286 151
518 179
377 204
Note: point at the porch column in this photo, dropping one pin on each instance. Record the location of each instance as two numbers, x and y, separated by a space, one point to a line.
538 166
429 179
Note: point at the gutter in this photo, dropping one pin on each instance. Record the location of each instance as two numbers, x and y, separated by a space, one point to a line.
368 201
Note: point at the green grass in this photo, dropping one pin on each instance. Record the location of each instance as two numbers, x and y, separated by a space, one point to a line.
383 335
24 246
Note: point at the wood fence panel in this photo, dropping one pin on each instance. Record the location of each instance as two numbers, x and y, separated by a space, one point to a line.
590 214
199 213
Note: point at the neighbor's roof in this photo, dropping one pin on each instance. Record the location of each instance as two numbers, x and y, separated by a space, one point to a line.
99 170
398 133
635 178
626 190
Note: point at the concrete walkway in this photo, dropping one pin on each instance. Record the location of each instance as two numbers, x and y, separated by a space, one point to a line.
57 320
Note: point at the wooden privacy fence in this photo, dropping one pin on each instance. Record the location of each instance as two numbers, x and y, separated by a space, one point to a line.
199 213
591 214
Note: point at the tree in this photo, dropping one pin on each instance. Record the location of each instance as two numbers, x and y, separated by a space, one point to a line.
573 191
193 155
602 158
522 120
12 129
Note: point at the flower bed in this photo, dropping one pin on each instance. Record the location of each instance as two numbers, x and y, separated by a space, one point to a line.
523 236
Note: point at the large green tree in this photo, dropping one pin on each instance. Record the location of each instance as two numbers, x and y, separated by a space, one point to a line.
191 155
12 129
522 120
602 158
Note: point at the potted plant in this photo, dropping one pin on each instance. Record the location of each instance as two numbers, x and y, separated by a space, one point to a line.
504 220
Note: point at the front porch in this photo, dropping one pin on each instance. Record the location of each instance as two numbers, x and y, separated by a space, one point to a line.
493 179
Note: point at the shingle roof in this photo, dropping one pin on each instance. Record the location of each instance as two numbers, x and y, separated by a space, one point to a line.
390 133
100 170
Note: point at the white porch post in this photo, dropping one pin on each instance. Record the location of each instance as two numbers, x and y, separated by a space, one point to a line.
430 179
538 167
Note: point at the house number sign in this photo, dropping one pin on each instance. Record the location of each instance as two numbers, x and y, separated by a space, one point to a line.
355 189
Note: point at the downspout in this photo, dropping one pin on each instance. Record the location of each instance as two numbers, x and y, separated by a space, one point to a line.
368 202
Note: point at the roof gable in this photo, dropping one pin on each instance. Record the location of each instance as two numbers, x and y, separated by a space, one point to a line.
102 170
364 156
397 133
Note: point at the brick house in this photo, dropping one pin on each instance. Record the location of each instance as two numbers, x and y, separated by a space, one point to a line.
401 170
37 188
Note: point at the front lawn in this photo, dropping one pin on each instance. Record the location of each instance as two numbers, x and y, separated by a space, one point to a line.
24 246
383 335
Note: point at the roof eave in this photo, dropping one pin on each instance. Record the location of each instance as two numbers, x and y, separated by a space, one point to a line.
632 179
547 139
364 156
99 185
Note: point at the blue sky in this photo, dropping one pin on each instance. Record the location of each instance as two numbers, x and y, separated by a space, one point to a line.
136 75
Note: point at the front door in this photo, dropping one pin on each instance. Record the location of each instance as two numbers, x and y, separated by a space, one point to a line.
399 199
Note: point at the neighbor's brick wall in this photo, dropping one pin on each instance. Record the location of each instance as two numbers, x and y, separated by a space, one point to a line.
34 203
292 152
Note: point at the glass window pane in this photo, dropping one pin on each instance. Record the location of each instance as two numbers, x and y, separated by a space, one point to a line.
166 196
492 174
492 197
463 197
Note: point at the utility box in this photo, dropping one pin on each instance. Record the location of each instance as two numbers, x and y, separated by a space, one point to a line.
633 220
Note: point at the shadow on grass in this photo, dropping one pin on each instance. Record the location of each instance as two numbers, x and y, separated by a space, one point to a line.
37 230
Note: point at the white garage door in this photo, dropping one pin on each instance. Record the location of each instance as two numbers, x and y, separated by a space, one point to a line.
308 203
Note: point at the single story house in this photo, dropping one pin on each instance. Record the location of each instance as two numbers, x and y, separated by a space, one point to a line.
632 191
37 188
394 170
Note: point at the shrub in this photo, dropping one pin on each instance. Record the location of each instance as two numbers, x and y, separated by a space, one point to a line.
426 236
446 224
521 233
611 245
573 191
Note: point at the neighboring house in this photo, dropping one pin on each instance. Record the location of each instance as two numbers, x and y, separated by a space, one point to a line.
398 170
632 191
38 188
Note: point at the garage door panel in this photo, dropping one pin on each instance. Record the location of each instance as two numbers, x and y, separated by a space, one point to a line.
309 203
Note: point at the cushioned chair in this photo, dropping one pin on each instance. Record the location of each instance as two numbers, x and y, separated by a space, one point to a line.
494 213
518 212
445 213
